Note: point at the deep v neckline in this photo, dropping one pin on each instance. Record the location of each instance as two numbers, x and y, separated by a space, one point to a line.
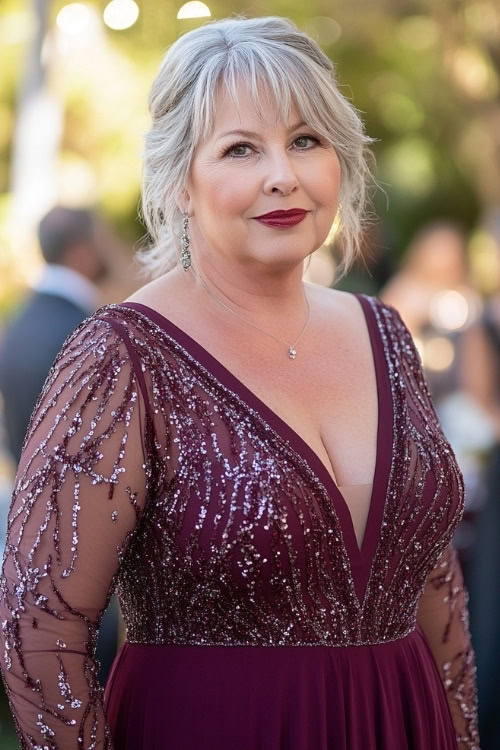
360 557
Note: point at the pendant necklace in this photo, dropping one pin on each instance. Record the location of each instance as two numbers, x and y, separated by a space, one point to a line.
292 352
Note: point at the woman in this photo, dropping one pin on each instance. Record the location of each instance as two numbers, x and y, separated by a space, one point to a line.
252 463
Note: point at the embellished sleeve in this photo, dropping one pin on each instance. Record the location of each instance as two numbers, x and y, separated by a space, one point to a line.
79 492
443 613
444 618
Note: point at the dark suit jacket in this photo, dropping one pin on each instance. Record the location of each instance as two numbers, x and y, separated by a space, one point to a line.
27 352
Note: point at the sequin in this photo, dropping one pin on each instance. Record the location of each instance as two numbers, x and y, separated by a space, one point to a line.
213 527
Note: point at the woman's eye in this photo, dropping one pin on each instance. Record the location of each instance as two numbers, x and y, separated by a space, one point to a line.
306 138
233 150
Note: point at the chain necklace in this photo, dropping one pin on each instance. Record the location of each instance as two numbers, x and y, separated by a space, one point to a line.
292 353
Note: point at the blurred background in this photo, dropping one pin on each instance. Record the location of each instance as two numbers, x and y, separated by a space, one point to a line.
74 80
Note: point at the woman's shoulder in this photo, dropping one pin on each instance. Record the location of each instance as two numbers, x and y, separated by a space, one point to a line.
345 304
132 320
398 341
99 341
116 342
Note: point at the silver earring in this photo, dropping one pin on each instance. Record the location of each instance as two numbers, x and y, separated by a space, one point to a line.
185 254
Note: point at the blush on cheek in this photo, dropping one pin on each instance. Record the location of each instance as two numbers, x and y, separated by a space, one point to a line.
231 199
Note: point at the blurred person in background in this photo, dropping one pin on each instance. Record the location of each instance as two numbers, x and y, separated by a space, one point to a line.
434 262
67 293
481 373
434 293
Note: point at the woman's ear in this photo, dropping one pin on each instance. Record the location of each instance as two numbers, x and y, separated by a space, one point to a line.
184 202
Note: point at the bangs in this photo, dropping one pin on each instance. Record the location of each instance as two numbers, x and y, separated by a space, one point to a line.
268 83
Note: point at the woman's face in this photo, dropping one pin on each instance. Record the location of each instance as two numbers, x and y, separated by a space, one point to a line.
237 176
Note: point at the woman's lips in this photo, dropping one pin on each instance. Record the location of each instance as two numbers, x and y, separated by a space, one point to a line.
282 221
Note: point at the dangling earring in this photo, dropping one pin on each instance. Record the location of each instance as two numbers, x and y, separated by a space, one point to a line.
185 254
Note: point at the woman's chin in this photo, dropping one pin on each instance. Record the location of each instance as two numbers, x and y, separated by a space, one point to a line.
283 258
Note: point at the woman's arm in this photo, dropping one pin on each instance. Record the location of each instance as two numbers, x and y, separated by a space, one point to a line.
79 492
442 610
444 618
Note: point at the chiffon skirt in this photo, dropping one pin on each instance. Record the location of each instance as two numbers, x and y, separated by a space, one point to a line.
174 697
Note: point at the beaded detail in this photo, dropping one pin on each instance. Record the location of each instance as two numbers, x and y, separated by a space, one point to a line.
223 531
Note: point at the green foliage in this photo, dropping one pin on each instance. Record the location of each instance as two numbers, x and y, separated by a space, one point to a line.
422 74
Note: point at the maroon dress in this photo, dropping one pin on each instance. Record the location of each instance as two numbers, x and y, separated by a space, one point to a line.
254 621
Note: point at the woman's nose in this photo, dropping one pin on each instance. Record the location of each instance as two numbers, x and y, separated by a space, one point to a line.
281 175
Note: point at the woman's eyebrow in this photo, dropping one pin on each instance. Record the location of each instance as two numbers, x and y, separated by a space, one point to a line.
252 134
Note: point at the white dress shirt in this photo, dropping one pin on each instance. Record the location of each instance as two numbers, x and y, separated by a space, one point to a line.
73 286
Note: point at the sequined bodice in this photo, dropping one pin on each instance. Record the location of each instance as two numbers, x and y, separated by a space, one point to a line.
228 528
255 540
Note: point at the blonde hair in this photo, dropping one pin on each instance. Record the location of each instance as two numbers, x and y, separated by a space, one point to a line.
270 51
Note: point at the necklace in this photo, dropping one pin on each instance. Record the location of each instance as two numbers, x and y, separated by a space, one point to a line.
292 352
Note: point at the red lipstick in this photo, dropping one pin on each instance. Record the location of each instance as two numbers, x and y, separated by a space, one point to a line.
283 218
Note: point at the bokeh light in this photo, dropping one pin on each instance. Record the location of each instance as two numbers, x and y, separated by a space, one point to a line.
483 18
16 27
473 72
418 32
408 165
438 353
74 18
449 310
120 14
399 112
194 9
324 29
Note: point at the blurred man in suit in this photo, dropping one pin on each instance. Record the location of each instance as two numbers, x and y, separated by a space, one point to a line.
66 295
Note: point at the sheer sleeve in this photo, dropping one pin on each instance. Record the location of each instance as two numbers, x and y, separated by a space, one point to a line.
80 489
443 613
444 618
